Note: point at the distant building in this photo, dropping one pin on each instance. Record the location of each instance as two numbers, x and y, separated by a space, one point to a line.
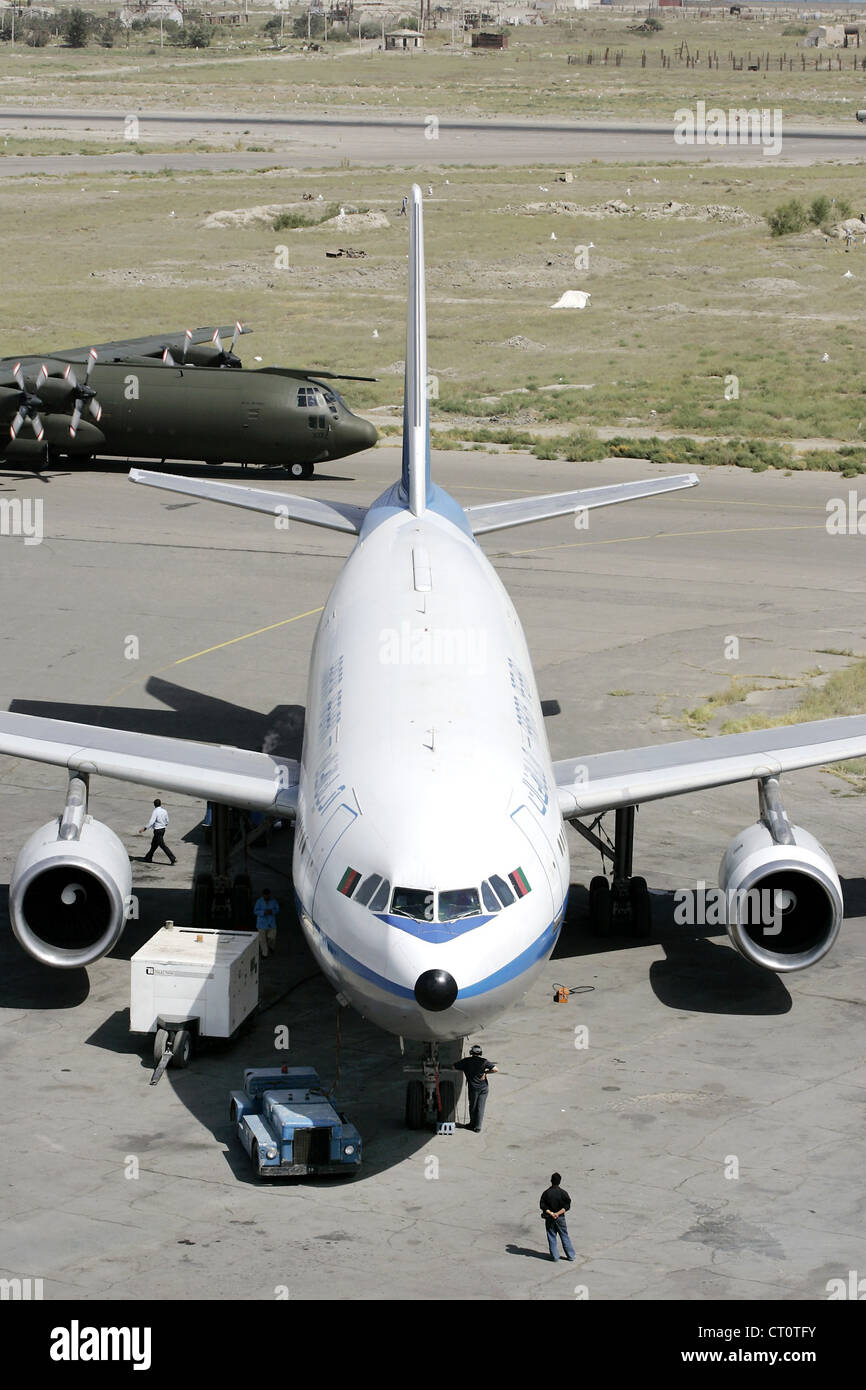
404 40
826 36
159 10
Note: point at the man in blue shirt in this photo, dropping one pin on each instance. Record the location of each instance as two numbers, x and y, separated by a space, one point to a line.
266 910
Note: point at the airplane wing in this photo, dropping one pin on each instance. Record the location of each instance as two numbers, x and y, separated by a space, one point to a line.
152 346
334 516
215 772
497 516
313 374
628 777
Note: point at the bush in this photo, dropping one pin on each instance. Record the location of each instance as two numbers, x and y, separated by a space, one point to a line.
788 217
371 29
338 34
820 209
407 22
316 22
77 30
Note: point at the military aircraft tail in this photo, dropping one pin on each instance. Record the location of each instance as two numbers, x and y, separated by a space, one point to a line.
416 417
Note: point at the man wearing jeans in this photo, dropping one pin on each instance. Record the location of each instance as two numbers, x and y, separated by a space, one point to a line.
554 1203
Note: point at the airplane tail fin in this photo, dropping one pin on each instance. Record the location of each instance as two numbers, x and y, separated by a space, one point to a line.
416 422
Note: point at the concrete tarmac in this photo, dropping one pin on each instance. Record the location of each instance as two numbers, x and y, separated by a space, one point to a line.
710 1130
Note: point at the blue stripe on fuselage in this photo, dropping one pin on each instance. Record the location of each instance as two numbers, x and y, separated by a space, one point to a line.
542 946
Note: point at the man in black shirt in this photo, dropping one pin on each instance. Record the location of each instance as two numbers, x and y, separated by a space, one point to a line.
554 1203
475 1069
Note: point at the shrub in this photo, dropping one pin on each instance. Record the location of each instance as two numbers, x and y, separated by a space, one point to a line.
77 30
819 210
787 218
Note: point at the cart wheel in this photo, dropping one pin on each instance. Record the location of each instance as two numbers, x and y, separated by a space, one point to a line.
160 1043
448 1098
415 1105
233 1112
181 1048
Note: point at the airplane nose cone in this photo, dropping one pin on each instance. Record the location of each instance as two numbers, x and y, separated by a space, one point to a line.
364 435
435 990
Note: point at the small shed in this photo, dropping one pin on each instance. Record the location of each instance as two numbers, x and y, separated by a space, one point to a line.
404 40
482 40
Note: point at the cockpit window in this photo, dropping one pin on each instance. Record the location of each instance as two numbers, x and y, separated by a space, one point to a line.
491 902
379 901
330 401
506 897
307 397
367 889
458 902
413 902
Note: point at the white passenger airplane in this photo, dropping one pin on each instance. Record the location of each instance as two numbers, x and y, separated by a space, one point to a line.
430 865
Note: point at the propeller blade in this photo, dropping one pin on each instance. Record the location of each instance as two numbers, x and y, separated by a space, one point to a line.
69 375
217 340
76 417
187 339
42 377
16 424
95 409
37 427
18 375
91 358
235 336
167 358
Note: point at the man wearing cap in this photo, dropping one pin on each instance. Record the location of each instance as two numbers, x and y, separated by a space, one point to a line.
475 1068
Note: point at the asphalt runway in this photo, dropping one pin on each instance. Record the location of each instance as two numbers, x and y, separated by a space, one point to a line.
325 140
694 1059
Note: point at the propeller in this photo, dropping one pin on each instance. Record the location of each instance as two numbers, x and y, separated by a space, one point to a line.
83 394
168 356
29 404
226 357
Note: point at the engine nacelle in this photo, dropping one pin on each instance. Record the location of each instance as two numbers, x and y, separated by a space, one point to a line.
784 901
69 898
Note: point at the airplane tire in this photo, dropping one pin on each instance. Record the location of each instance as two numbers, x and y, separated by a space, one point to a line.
641 907
296 470
415 1105
448 1100
202 902
242 903
600 906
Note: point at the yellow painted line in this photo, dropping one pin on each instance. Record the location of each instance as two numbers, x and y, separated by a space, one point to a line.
661 535
180 661
256 633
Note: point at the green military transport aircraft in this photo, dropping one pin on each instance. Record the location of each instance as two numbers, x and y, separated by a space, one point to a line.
171 397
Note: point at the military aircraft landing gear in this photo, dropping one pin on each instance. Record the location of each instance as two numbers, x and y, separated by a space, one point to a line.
432 1098
300 470
621 904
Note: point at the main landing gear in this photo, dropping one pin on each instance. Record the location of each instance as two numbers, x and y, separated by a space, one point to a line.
220 899
619 905
431 1099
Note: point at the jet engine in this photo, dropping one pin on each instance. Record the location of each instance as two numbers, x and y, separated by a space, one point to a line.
69 895
782 892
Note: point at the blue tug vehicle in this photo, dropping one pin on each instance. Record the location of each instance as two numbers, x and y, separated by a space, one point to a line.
289 1127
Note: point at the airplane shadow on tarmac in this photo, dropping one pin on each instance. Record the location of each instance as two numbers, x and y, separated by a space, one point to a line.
696 975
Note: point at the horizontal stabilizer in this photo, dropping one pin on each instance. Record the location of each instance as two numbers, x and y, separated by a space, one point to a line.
519 511
628 777
214 772
333 516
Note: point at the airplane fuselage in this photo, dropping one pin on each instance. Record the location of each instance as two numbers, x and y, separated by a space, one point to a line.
429 842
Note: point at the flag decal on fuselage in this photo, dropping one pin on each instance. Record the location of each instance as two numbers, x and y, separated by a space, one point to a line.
349 882
520 882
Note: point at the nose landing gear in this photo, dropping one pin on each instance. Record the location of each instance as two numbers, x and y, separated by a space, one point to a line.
432 1098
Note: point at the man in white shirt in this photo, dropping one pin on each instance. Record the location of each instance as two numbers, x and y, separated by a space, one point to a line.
157 823
266 910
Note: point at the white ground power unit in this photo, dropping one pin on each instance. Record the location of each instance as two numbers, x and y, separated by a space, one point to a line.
201 983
